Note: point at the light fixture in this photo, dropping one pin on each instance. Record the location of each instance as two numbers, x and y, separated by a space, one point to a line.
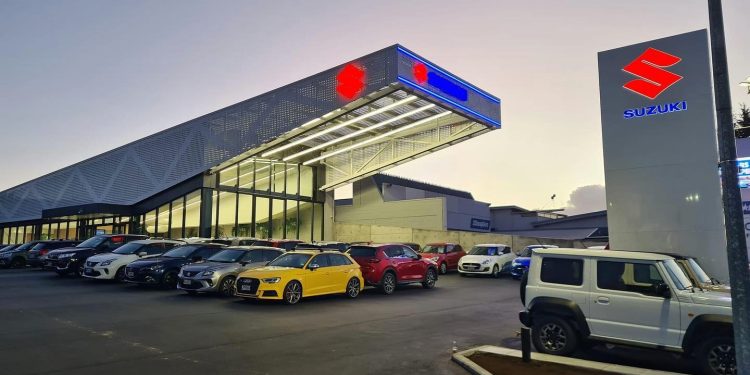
406 100
373 139
359 132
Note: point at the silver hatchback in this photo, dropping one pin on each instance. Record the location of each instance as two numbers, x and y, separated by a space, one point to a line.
219 272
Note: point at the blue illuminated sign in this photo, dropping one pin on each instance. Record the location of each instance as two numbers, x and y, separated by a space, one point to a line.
480 224
429 79
743 172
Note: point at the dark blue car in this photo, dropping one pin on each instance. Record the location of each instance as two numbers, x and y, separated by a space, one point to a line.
163 270
521 263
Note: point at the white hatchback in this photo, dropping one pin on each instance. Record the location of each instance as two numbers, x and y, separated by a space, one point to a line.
486 259
110 266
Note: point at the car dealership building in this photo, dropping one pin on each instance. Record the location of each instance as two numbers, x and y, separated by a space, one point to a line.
264 167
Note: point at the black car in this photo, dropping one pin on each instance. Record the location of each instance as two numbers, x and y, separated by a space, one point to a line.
70 260
16 257
163 270
44 247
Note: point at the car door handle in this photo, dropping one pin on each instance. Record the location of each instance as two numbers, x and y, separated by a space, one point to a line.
602 300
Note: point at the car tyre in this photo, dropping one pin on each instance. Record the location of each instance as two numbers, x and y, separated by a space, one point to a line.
17 263
120 274
292 292
496 271
553 335
443 268
388 283
226 288
430 277
716 356
169 280
353 287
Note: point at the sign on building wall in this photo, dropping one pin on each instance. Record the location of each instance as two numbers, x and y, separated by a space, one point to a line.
660 149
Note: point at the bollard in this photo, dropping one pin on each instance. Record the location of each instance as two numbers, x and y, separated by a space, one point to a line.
526 344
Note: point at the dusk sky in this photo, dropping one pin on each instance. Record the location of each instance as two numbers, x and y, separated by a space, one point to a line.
79 78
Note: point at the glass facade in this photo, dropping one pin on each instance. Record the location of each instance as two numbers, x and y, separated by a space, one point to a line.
259 198
271 199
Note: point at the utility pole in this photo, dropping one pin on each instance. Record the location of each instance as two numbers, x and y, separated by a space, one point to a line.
739 275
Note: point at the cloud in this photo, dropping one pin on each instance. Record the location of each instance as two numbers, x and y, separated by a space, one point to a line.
585 199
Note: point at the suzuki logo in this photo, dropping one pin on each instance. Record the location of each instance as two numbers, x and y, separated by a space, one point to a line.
653 79
351 81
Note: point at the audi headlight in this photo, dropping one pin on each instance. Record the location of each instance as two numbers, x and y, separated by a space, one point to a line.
106 262
486 262
271 280
208 273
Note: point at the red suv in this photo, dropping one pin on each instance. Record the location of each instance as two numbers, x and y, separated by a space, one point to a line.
388 265
445 255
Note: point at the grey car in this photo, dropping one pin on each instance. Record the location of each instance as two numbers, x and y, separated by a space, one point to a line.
218 273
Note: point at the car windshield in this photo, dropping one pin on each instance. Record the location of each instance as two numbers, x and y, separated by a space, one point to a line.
227 256
699 273
92 242
677 275
434 249
25 246
129 248
484 250
180 251
291 260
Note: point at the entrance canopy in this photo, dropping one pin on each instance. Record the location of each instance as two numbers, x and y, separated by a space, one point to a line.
425 109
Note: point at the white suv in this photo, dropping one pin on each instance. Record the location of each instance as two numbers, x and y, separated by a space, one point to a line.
624 297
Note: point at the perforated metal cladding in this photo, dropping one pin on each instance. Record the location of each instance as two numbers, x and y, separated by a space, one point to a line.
153 164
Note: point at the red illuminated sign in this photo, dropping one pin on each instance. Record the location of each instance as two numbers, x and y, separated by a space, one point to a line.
351 81
653 80
420 72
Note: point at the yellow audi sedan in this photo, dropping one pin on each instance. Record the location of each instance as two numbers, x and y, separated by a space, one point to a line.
302 273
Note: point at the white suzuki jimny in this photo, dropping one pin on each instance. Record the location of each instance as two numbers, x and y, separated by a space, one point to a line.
623 297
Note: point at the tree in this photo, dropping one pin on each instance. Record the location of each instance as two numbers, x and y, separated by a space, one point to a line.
742 122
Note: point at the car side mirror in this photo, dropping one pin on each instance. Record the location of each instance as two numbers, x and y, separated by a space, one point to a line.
662 290
142 254
313 267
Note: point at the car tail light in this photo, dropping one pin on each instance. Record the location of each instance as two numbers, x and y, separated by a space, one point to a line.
43 251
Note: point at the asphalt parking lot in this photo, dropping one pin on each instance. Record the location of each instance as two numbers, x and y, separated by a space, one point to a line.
53 325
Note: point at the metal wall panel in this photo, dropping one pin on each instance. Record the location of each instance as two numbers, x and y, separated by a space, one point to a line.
143 168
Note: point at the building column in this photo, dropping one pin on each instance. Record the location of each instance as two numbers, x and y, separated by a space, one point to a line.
206 207
329 212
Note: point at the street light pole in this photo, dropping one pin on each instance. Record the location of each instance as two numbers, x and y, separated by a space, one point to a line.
739 275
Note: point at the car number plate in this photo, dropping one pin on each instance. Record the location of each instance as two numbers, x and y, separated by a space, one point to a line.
88 271
246 288
187 282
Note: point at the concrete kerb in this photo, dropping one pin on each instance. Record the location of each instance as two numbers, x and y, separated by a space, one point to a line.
462 359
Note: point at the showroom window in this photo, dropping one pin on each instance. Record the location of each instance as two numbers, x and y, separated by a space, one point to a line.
244 215
177 215
192 214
